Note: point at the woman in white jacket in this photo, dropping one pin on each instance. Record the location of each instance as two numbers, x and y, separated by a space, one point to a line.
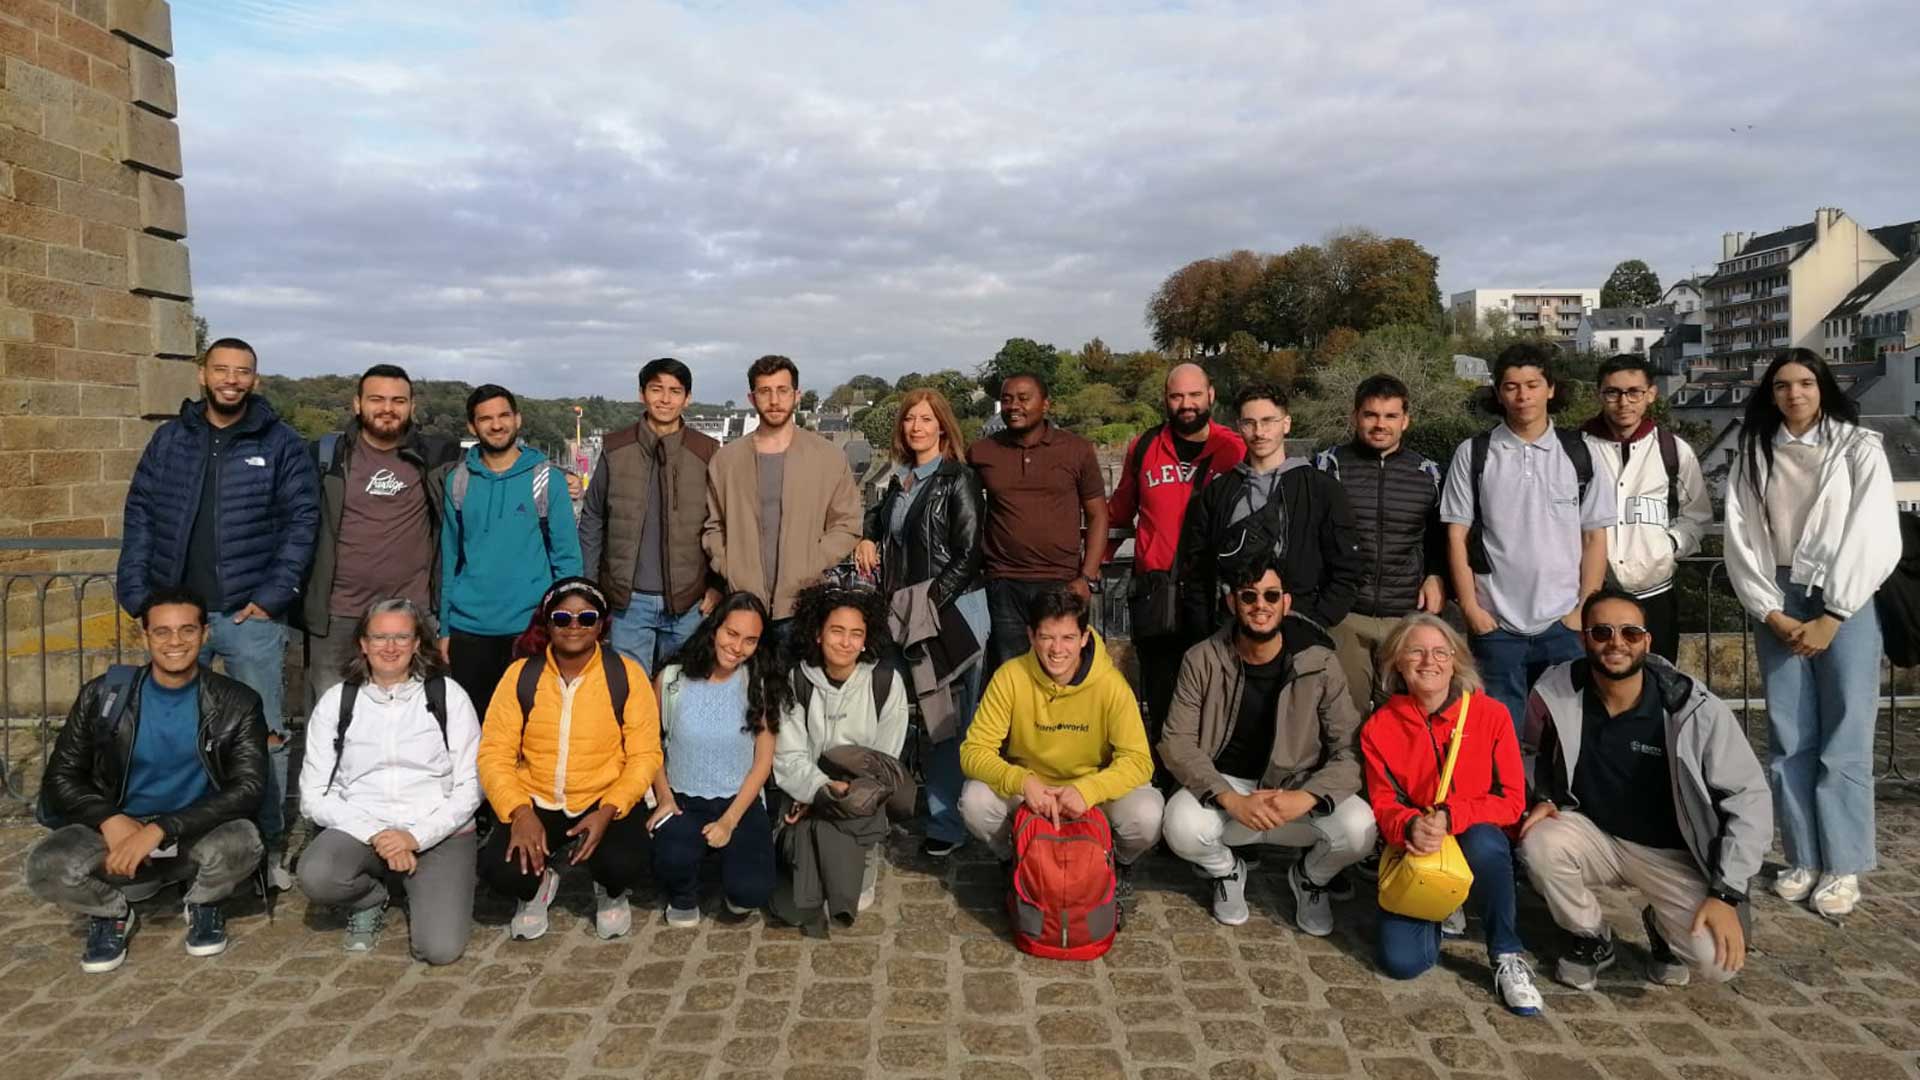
396 791
1811 533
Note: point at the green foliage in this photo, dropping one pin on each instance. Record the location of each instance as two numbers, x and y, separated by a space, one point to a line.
1022 356
876 423
1632 284
810 401
860 388
1442 405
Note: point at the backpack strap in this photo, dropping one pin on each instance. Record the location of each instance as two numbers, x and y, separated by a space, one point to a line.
1670 457
457 494
881 682
1578 452
618 686
1328 462
1137 457
326 451
1477 449
542 484
525 686
437 705
349 695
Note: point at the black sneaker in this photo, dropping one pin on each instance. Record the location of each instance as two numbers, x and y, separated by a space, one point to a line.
1583 958
940 849
206 930
1341 887
1123 883
107 943
1663 966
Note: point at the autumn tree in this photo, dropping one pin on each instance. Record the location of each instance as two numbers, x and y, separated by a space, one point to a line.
1632 284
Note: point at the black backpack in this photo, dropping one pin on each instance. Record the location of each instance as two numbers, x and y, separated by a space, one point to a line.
618 687
118 686
350 693
1575 445
1898 600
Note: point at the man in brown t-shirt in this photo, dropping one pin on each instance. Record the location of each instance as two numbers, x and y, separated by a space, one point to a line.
1035 475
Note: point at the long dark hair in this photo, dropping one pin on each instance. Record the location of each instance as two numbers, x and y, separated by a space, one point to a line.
1764 418
815 602
426 652
768 691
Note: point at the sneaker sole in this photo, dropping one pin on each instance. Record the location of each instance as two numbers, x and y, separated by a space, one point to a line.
605 934
207 950
1224 920
101 967
1592 980
1299 904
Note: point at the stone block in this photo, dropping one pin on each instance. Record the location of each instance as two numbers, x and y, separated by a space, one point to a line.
34 152
152 83
28 433
119 304
20 41
89 204
118 465
66 466
64 60
172 322
24 255
36 189
42 294
39 14
106 369
32 84
30 504
164 384
68 128
86 434
86 267
144 22
53 330
98 499
96 106
163 206
22 222
92 40
16 468
38 398
158 266
150 141
116 337
106 239
108 174
16 325
29 362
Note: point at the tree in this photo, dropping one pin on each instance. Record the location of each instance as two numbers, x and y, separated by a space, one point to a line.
1632 284
876 423
200 335
810 401
1021 356
859 390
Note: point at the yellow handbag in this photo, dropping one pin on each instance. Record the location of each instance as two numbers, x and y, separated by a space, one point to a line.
1429 887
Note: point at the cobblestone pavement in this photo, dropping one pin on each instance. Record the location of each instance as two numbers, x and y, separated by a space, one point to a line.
927 985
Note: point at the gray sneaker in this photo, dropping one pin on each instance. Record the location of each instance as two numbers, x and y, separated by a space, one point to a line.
1583 958
1663 966
1312 908
363 928
1230 896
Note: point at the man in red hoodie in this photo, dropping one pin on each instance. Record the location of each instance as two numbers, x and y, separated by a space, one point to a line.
1165 466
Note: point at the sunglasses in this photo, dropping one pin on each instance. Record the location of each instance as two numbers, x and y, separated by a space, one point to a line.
1629 633
564 619
1271 596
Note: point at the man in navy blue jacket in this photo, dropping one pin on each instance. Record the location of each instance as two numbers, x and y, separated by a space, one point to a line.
225 501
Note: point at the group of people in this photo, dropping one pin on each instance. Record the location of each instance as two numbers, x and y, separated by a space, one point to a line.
679 673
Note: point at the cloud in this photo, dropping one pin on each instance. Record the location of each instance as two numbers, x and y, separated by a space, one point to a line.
549 195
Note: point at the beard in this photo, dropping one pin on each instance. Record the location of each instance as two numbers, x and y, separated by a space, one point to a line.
1633 669
1258 637
214 403
1189 426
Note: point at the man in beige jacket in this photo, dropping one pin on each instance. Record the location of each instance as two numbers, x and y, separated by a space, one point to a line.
782 507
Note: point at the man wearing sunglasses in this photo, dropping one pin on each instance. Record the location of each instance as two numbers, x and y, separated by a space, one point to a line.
1643 778
1263 739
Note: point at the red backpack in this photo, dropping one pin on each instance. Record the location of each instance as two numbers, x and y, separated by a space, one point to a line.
1062 898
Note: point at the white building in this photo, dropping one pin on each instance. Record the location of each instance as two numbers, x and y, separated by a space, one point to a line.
1635 330
1550 313
1686 296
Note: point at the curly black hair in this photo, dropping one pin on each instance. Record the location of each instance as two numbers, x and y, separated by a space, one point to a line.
769 693
815 602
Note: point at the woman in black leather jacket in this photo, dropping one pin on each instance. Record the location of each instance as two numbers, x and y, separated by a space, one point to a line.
926 528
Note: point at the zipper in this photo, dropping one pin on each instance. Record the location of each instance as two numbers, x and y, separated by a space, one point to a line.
1379 536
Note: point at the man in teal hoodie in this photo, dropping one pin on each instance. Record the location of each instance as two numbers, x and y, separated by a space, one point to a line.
507 533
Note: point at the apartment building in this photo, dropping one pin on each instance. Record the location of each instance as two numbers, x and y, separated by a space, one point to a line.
1553 314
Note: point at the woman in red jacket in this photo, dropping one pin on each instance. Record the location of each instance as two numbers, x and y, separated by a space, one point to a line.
1426 667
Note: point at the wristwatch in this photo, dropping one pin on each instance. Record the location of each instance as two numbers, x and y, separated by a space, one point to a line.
1093 585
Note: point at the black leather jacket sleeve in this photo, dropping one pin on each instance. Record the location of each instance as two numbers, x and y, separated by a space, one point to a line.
964 554
75 790
233 743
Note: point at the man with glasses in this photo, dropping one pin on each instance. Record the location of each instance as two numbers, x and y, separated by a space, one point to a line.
1662 499
782 507
1643 778
1263 740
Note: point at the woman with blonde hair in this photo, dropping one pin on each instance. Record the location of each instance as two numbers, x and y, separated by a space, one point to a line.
925 531
1426 668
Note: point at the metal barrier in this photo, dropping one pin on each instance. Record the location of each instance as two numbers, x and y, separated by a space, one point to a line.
63 643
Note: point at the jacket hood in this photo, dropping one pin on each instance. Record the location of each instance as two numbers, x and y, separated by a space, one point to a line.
1094 663
862 675
1597 427
258 417
1287 465
529 460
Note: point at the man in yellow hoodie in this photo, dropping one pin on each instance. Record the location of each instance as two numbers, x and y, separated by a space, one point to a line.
1059 729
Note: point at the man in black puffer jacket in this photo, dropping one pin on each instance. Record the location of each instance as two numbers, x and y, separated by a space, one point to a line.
225 501
153 781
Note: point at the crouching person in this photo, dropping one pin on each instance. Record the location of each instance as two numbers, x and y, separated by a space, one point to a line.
1262 740
1059 729
844 700
1644 779
391 778
570 743
154 780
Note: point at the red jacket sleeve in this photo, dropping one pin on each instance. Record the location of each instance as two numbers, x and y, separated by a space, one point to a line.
1123 504
1506 800
1389 812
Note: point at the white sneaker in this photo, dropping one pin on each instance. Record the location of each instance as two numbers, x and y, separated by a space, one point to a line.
867 896
1793 885
612 915
683 917
1837 895
1513 982
530 916
1454 925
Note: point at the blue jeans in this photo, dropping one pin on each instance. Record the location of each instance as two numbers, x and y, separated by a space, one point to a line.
943 764
1511 663
255 653
1820 719
1408 947
746 863
1007 605
648 633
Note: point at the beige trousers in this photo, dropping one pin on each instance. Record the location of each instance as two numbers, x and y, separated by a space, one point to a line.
1354 640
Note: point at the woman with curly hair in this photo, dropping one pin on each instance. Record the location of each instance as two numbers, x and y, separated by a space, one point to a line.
845 696
721 699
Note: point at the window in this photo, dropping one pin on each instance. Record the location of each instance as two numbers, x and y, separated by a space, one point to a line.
1613 344
1639 344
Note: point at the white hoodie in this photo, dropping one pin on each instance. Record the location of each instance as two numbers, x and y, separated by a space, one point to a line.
396 772
837 716
1851 541
1643 547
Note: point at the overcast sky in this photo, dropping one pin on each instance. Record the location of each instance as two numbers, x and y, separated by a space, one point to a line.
549 194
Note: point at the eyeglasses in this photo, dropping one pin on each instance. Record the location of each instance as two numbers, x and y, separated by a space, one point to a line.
1250 596
1631 393
176 633
1601 633
564 619
773 391
390 639
1439 652
1261 423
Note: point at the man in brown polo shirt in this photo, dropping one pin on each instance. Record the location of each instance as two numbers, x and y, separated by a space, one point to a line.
1035 475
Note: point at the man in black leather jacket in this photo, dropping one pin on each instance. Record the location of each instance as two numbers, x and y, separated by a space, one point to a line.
154 780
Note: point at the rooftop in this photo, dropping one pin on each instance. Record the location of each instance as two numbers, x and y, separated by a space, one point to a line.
1872 286
1902 435
1657 317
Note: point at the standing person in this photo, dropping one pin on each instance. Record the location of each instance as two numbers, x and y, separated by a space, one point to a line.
1643 778
1662 498
925 532
1395 495
1263 740
1811 533
1167 465
381 497
1526 530
720 705
1275 503
506 536
642 517
1432 689
570 744
154 779
391 776
224 501
782 507
1039 480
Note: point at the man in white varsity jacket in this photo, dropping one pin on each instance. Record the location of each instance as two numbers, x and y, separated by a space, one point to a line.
1662 496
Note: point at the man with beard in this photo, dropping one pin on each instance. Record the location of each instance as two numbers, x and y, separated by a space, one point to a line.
381 489
1264 741
506 535
1039 479
1166 465
1642 778
1395 495
224 502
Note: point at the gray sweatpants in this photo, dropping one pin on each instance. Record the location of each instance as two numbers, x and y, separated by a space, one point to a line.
68 869
337 869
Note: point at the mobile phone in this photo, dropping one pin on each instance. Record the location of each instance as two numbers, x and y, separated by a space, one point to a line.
655 827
